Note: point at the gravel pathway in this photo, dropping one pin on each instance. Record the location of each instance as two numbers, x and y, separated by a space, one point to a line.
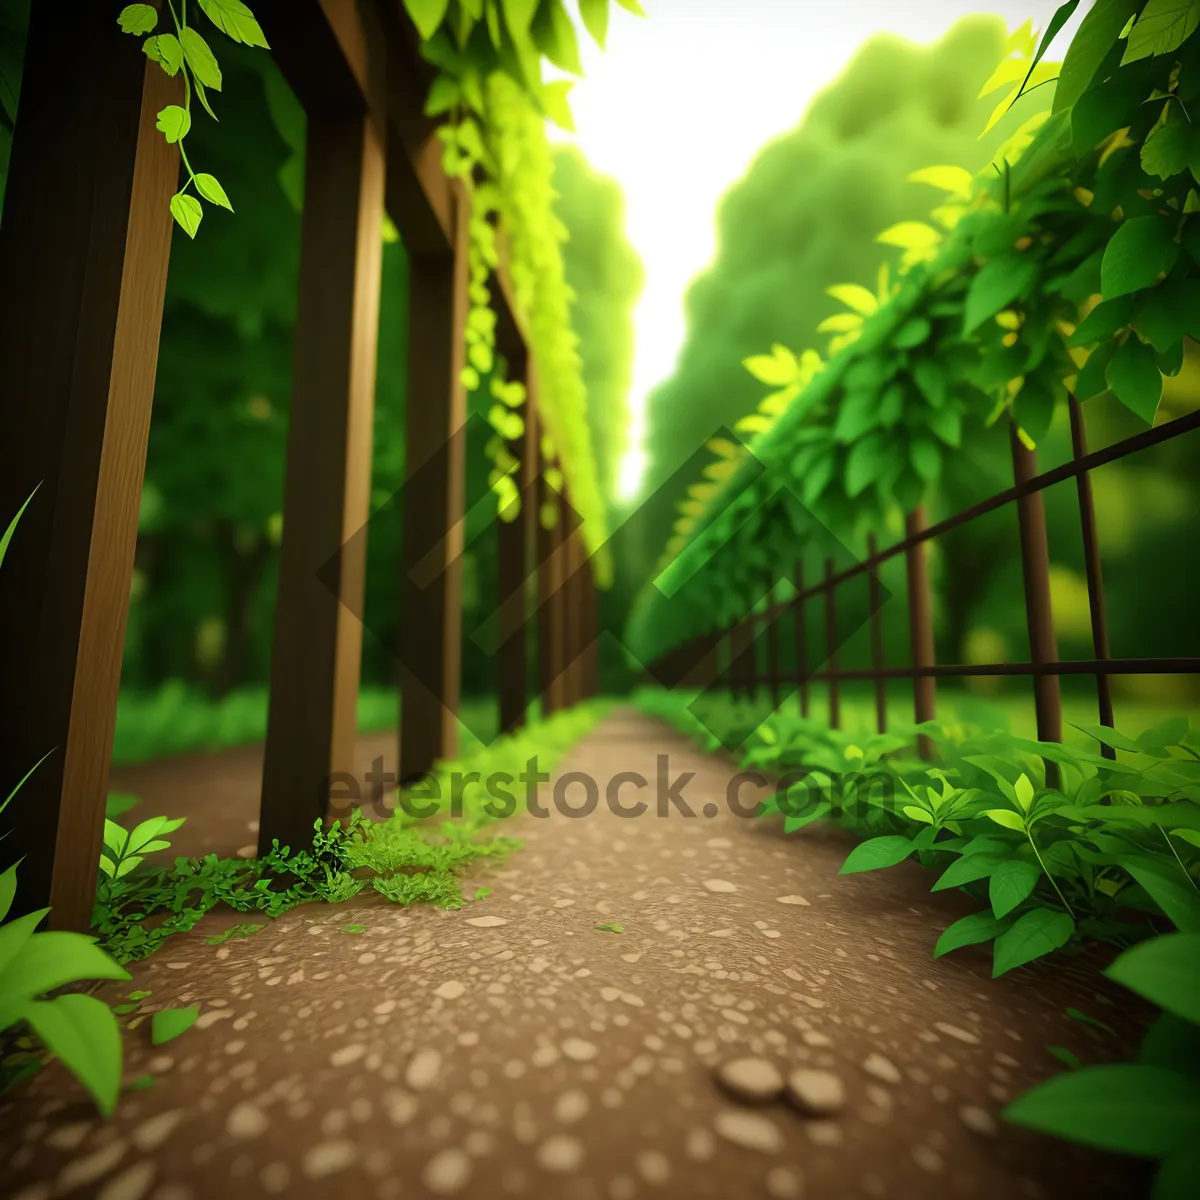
515 1049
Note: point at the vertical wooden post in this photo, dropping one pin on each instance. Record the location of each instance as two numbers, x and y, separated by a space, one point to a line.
84 249
550 610
875 601
774 668
513 539
590 630
831 646
801 633
920 624
317 645
435 420
1035 568
568 603
1092 570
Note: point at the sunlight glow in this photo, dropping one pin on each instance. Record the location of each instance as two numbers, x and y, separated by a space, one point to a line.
681 101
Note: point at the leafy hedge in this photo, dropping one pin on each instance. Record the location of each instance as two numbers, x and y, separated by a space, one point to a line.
1110 853
1074 264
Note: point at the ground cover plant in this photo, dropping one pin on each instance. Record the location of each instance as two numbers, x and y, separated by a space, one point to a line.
418 852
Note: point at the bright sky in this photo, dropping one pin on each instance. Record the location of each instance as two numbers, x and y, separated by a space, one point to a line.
679 103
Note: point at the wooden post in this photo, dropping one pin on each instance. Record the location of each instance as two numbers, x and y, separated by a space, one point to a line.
774 669
831 646
875 601
1092 570
317 645
568 602
550 612
513 540
920 625
801 633
84 249
431 557
1035 568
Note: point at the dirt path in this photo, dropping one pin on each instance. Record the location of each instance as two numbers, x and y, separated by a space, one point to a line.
513 1049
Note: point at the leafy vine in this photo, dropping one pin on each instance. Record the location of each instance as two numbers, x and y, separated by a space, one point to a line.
1073 266
186 53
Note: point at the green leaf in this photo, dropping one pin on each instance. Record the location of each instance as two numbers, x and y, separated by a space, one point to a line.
187 211
1023 790
610 928
1062 15
49 960
1168 150
1169 888
1011 884
1141 250
1135 379
1169 312
595 19
926 458
930 381
1092 41
174 122
1033 408
200 58
211 190
1091 380
1035 934
16 933
518 14
632 6
1125 1107
428 15
969 931
202 96
946 423
554 101
877 853
1104 320
356 929
235 21
1163 26
554 35
84 1034
1171 732
863 463
1109 737
4 543
912 333
169 1023
1166 971
1007 818
967 869
8 890
137 18
164 49
995 287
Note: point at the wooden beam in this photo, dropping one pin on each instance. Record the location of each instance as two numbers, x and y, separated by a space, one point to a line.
431 595
513 540
84 249
317 648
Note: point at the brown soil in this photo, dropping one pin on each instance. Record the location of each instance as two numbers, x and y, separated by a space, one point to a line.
514 1049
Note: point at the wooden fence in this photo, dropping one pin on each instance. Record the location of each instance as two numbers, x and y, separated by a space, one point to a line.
746 656
84 251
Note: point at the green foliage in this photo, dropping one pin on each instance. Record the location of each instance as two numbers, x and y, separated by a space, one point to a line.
186 51
991 308
169 1023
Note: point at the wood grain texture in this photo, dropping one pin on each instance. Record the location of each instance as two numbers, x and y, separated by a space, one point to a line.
1039 615
84 250
435 478
317 643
